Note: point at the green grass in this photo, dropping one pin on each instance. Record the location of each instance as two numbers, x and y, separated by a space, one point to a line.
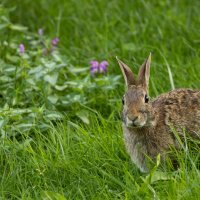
85 162
67 143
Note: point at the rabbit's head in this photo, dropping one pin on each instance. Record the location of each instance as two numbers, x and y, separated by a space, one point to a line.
136 107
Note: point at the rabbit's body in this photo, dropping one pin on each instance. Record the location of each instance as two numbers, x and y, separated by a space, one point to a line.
167 111
147 126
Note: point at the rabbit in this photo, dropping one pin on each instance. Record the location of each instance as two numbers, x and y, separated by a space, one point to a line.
147 124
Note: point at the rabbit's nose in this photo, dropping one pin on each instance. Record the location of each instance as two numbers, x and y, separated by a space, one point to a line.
134 119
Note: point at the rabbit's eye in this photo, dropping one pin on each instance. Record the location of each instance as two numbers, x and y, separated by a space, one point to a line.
146 99
122 100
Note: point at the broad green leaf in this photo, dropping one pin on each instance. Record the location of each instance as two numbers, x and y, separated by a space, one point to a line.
18 27
61 87
52 79
23 127
79 70
53 98
54 116
84 116
12 58
10 69
36 70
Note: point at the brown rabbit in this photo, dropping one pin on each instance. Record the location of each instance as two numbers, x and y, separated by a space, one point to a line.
146 124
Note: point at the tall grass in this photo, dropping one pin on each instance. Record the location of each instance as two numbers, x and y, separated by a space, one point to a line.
87 162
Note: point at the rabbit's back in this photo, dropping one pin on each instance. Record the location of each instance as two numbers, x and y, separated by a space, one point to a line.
179 108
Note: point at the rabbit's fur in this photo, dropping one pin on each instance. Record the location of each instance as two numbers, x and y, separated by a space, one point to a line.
147 125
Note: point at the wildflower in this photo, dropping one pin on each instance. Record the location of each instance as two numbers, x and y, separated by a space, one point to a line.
40 31
97 67
94 67
21 49
103 66
55 41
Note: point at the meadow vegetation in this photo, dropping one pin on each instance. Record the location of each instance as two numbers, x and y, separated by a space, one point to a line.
60 125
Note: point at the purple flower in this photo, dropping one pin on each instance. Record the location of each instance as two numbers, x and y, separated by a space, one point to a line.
40 31
21 49
94 67
97 67
103 66
55 41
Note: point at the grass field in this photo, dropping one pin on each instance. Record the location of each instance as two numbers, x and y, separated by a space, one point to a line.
60 126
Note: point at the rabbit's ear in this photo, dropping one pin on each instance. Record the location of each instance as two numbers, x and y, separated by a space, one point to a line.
128 74
144 72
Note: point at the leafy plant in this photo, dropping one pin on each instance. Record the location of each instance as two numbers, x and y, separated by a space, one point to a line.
38 83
